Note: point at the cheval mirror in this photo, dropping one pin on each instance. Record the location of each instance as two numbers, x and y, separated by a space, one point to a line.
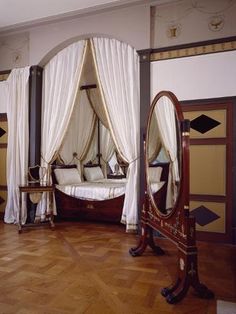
166 205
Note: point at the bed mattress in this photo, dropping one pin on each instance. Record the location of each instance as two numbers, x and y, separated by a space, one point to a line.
97 190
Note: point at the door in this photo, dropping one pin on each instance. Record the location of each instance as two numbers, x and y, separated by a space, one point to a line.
211 165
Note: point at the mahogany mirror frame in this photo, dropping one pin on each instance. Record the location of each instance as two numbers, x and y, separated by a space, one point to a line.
179 225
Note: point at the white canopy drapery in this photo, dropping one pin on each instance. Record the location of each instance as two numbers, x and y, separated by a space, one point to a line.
80 131
94 96
107 147
16 98
60 85
117 67
165 114
154 142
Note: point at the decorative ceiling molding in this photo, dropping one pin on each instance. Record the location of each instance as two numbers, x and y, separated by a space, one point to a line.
18 25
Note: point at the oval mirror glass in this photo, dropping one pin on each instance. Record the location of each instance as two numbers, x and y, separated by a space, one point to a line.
163 153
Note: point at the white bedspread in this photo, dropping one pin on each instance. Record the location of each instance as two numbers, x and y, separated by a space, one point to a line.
97 190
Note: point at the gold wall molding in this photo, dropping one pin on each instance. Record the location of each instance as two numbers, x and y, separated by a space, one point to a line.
184 51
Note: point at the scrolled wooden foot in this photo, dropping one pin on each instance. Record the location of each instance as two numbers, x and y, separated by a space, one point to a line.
168 290
135 252
165 292
146 240
176 292
171 299
177 295
138 251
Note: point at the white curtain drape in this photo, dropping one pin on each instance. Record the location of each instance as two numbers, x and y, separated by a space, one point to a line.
95 98
80 131
154 142
117 67
16 97
107 147
93 147
60 85
165 114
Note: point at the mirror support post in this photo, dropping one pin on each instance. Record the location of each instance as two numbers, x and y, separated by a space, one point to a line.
144 56
185 129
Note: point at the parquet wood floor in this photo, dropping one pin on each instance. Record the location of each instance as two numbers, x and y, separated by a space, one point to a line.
86 268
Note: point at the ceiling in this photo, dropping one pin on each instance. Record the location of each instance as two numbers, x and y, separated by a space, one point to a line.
18 13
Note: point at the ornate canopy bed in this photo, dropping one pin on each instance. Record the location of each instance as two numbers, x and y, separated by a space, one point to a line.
98 199
88 94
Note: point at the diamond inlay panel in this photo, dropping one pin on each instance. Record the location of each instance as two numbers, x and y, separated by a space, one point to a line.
2 132
203 124
204 215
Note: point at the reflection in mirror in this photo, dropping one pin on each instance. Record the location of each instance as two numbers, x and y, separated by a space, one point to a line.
163 152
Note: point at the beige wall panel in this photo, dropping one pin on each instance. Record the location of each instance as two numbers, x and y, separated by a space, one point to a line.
3 154
3 125
217 132
3 196
207 169
217 225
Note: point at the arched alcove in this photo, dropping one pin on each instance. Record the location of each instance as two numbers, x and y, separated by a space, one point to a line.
118 57
71 40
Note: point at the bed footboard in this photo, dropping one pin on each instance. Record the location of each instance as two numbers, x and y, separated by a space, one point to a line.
69 207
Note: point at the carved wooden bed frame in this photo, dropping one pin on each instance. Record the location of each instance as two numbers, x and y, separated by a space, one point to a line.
71 208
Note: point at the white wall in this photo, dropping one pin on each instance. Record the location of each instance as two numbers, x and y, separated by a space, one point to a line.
131 25
199 77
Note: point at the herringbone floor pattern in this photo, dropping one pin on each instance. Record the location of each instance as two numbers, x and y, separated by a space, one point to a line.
86 268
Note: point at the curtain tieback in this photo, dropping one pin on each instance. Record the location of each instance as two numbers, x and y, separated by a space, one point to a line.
133 160
44 159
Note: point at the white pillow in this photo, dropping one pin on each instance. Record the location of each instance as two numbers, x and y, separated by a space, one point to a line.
67 176
93 173
154 174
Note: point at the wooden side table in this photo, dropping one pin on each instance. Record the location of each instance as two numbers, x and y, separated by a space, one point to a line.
36 188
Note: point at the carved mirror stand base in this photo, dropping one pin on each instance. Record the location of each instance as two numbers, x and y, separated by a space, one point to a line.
187 274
